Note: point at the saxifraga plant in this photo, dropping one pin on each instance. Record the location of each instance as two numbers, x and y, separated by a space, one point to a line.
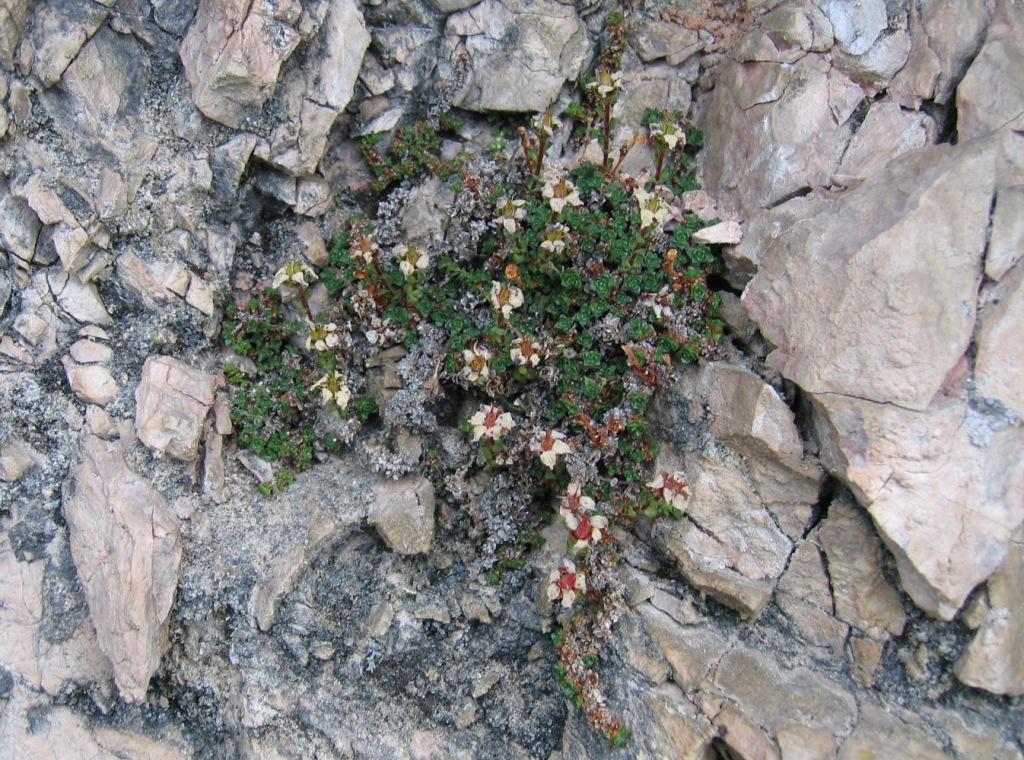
559 302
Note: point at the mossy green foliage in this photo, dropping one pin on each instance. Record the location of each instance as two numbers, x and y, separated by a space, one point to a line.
414 151
608 267
274 408
579 299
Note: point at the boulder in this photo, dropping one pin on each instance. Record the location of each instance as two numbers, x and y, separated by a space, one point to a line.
34 728
998 367
856 24
313 94
403 513
19 226
862 596
125 545
775 697
18 459
886 132
656 40
171 403
723 233
805 597
874 337
773 130
919 473
878 64
1006 244
749 413
944 42
14 15
994 660
520 53
59 29
786 34
842 305
991 95
880 734
751 418
728 545
233 54
81 300
31 651
91 382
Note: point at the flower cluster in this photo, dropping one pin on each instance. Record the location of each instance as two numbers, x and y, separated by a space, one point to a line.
607 84
491 422
586 527
561 193
525 353
509 212
322 337
550 445
410 259
477 367
333 390
565 583
505 298
295 274
671 487
668 135
653 211
547 124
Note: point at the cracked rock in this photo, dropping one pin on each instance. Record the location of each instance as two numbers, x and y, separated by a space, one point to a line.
125 545
520 53
403 513
171 404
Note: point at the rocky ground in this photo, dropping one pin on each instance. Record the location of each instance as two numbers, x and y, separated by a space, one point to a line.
847 579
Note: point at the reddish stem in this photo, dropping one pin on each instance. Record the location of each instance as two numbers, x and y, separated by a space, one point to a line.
606 145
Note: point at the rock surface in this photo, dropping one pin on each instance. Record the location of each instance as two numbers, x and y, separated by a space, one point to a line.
893 349
994 660
727 545
159 160
172 401
403 513
883 420
233 54
520 53
125 545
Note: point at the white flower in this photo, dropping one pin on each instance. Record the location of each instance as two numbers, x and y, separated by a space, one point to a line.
525 353
322 337
652 211
607 82
505 298
547 124
671 487
565 583
364 249
669 135
561 194
476 363
509 212
554 238
575 501
333 390
660 303
491 422
294 273
377 334
550 445
410 258
586 529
